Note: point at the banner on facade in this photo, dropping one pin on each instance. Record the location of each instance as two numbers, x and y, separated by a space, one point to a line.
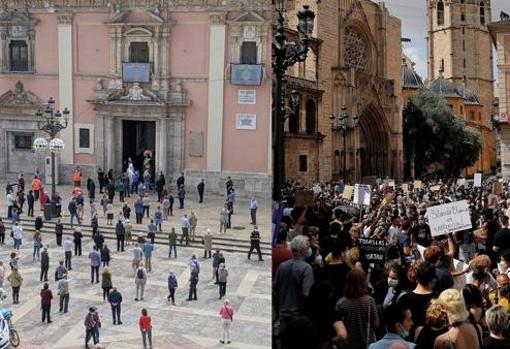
373 250
362 194
477 180
449 218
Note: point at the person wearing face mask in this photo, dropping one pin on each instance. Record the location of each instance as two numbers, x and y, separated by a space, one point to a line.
399 321
423 234
504 264
396 285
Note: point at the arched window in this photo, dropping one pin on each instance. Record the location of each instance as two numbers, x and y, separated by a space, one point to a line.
311 112
294 122
440 13
482 13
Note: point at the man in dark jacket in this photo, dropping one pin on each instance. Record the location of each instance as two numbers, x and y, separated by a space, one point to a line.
180 180
115 299
77 242
59 230
193 281
30 202
73 211
46 297
45 264
91 187
200 188
99 240
255 243
120 231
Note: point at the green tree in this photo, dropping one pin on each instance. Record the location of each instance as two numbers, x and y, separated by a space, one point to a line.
432 134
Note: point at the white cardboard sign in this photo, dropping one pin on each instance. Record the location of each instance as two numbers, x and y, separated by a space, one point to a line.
477 180
362 194
450 217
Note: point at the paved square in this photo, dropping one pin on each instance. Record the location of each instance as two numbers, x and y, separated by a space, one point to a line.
185 325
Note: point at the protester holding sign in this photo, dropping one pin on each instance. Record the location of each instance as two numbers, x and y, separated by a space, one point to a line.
413 243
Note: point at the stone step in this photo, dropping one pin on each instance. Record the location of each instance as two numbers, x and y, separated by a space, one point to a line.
228 245
136 230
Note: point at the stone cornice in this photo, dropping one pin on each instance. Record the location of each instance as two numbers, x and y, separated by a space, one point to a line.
113 5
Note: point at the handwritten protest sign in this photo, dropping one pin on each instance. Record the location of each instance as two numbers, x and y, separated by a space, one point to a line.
304 198
405 187
417 184
497 188
461 182
435 188
362 194
450 217
347 193
477 180
374 250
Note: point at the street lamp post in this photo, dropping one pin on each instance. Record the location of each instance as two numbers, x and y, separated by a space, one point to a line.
51 123
339 124
284 55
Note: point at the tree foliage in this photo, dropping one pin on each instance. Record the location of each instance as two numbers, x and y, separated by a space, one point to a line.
432 134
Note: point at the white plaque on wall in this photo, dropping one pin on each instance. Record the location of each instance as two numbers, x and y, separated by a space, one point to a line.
246 97
246 121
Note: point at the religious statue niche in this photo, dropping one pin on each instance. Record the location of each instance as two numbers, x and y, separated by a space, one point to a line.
356 49
147 160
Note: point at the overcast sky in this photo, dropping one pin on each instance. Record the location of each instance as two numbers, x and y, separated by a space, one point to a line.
413 15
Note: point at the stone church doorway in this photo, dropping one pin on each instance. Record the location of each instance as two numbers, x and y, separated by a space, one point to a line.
138 137
374 147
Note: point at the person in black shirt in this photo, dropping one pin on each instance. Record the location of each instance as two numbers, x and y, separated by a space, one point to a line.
30 201
59 230
502 237
200 188
497 321
255 243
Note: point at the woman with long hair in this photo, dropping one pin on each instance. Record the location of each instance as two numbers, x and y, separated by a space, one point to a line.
357 311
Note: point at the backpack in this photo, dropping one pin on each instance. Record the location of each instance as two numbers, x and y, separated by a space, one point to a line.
89 321
139 274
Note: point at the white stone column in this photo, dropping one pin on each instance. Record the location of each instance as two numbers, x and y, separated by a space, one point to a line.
217 37
162 151
65 82
109 141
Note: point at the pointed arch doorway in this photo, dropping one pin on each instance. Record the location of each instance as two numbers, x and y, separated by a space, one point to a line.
374 144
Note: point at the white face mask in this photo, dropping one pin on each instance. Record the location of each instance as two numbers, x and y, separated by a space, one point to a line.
392 282
502 266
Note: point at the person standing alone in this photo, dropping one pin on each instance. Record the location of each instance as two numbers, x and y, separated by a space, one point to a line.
253 210
255 243
46 297
227 317
145 324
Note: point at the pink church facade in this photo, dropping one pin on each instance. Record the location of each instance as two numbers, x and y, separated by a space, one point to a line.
186 82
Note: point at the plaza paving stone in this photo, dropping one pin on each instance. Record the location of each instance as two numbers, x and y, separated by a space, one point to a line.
187 325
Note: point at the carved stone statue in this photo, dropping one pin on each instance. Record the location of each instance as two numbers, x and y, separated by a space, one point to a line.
99 84
136 94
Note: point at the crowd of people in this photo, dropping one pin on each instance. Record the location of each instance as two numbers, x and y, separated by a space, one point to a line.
448 290
100 257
